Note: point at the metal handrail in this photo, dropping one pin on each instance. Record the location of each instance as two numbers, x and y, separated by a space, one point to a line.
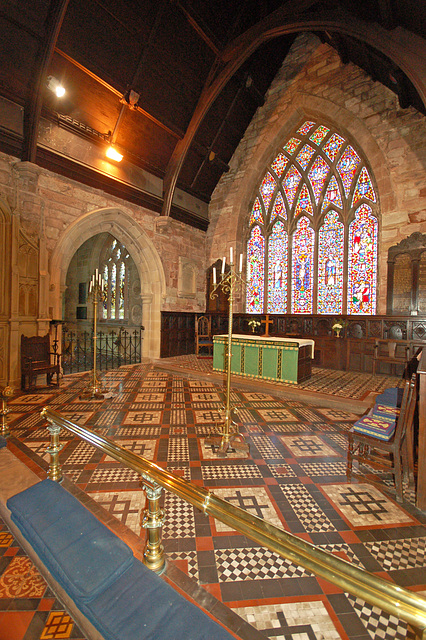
403 604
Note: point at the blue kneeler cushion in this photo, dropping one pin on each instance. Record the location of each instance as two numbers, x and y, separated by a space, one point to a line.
120 596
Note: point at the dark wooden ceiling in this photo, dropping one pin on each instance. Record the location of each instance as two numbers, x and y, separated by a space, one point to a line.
200 69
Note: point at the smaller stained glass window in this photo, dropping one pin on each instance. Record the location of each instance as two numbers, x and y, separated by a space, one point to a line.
304 202
333 146
364 188
304 156
278 208
319 134
303 268
267 189
347 167
256 213
330 265
291 182
277 269
362 262
279 164
255 272
305 128
291 146
332 195
318 175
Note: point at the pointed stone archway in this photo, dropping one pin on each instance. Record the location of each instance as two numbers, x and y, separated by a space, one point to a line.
128 232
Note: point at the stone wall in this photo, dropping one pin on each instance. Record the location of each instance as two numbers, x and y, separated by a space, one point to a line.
57 215
313 83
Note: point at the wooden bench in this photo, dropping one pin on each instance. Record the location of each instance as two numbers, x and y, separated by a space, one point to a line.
394 352
37 360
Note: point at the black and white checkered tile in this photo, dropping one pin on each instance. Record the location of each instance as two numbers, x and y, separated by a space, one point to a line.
306 509
179 518
380 625
399 554
255 564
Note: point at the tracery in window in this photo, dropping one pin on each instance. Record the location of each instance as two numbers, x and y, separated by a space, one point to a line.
314 227
114 268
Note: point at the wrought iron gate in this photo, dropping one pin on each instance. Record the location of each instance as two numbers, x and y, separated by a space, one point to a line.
113 350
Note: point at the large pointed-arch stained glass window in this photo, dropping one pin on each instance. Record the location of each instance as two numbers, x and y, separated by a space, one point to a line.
313 228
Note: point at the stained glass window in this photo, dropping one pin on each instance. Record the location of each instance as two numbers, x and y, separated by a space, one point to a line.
318 185
319 134
362 262
291 145
256 213
277 269
304 203
330 265
302 269
291 182
114 258
255 271
304 156
267 189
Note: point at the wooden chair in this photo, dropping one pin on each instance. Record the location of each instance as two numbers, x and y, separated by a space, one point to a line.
203 335
394 352
37 360
393 455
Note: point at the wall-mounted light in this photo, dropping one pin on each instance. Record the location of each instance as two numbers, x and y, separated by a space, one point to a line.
54 85
113 154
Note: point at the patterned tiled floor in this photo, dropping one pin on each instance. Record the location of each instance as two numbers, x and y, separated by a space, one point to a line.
294 478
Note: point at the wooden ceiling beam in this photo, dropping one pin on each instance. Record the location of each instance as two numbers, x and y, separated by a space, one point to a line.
407 54
34 103
172 131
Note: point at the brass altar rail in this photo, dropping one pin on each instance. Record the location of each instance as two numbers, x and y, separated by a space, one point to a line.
397 601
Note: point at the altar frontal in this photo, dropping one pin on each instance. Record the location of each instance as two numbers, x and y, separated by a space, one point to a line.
268 358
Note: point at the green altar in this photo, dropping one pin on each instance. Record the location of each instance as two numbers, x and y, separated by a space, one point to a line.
269 358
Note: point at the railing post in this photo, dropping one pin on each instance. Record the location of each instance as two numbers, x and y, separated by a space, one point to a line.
5 393
152 521
55 471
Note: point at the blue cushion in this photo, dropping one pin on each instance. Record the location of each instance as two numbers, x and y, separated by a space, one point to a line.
140 605
83 555
3 442
391 396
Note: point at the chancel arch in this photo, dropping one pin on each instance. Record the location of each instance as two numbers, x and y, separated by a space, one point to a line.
122 227
313 228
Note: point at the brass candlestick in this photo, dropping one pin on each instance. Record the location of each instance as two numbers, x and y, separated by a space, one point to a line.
6 393
226 434
94 391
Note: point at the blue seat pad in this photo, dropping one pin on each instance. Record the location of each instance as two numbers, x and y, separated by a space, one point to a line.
142 606
82 554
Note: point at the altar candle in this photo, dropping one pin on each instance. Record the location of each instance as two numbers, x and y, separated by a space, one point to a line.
90 286
223 264
214 275
241 262
231 255
96 274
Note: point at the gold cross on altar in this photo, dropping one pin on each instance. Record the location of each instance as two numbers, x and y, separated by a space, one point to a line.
266 322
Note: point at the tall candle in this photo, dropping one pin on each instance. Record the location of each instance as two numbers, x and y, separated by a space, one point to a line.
231 255
241 262
223 264
214 275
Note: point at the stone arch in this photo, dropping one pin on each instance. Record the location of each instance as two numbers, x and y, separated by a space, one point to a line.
128 231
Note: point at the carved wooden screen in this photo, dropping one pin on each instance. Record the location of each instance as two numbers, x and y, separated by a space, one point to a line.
407 276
